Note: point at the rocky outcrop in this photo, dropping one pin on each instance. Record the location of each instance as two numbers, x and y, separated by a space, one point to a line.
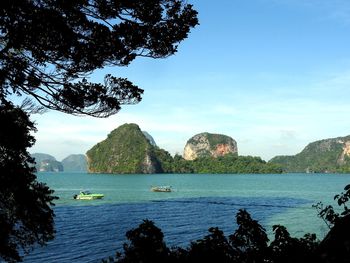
345 153
208 144
151 164
126 150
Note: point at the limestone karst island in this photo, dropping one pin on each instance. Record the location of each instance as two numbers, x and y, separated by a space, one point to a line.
129 150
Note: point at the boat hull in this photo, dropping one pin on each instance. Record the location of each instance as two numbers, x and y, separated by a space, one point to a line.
89 197
161 189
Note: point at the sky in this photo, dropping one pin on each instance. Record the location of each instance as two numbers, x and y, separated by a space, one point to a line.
272 74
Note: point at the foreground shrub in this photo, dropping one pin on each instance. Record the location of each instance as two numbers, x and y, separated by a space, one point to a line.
248 244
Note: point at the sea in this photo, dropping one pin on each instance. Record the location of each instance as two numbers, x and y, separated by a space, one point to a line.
89 231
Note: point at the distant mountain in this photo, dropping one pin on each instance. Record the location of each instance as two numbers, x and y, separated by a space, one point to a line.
329 155
46 163
149 138
209 145
42 156
75 163
126 150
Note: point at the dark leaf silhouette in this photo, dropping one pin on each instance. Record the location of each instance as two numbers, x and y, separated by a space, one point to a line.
48 48
25 213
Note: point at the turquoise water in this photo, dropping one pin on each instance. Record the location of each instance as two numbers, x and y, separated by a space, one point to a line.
196 203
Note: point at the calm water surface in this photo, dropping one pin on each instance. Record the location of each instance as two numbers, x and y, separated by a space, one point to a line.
88 231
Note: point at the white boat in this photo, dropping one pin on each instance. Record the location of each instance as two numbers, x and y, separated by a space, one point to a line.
161 189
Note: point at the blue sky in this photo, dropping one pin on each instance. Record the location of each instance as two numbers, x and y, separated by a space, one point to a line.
272 74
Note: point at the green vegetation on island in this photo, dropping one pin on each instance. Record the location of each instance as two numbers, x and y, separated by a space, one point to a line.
128 150
213 139
229 163
324 156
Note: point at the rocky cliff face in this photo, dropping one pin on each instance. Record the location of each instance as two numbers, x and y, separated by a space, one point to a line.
208 144
329 155
126 150
345 153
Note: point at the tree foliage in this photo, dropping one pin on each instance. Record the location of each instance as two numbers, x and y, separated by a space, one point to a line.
249 243
335 247
47 48
227 164
25 213
330 215
146 245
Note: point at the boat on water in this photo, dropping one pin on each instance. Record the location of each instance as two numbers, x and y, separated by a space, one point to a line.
161 189
87 195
